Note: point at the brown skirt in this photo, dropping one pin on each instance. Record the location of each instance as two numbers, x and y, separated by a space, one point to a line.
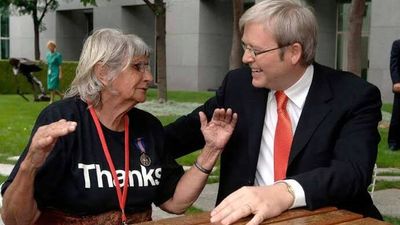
54 217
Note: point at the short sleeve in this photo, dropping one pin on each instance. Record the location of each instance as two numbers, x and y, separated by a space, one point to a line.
170 176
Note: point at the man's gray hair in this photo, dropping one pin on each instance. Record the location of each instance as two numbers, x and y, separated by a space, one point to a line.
107 47
291 21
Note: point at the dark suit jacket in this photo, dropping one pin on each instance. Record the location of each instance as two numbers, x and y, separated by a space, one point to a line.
395 62
334 147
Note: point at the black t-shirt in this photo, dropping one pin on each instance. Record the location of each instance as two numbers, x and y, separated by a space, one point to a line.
76 178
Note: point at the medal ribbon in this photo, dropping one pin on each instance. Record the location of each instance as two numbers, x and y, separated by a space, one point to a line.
140 145
121 196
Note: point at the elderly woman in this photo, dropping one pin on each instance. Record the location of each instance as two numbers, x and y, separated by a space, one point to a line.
95 138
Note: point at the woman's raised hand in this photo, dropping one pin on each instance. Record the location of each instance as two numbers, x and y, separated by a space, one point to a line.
218 131
45 138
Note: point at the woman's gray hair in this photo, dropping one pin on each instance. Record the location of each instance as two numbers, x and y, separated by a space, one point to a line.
291 21
107 47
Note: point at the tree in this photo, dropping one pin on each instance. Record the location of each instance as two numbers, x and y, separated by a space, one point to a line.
37 9
4 4
354 43
158 8
235 59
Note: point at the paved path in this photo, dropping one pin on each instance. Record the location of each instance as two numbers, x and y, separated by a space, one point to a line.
5 169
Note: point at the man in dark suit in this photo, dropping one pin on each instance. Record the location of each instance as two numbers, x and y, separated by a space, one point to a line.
306 134
394 129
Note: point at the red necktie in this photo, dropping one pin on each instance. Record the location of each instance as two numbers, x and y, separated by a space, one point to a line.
283 137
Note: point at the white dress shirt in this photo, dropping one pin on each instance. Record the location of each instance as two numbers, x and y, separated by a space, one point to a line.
297 94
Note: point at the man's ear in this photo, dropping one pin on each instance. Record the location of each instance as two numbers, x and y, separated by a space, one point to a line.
296 51
101 73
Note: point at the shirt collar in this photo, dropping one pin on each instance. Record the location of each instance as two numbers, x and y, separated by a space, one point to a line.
297 93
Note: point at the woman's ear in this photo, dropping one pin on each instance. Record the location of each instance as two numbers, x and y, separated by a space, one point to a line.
101 73
296 51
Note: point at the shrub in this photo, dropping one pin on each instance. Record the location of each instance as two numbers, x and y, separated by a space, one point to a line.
9 82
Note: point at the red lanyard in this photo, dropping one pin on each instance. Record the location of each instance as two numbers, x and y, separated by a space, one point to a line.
121 196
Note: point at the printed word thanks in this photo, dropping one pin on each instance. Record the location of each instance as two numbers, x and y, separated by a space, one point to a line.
136 178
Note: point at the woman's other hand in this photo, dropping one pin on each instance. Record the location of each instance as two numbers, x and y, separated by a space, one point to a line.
218 131
44 140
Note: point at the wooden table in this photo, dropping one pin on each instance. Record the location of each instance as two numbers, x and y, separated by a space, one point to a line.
324 216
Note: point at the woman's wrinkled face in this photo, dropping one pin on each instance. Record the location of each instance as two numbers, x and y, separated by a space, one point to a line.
132 83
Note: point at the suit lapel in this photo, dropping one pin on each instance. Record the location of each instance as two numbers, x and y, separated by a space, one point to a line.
255 117
315 109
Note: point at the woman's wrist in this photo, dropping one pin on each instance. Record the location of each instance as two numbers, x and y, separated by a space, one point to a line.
201 168
27 167
208 157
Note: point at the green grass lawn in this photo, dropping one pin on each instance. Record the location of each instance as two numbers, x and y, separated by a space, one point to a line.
2 179
17 118
386 157
387 107
382 185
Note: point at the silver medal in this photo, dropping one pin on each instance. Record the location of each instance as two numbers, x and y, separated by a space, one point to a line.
145 159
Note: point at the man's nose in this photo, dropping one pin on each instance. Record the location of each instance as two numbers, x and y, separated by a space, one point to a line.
247 57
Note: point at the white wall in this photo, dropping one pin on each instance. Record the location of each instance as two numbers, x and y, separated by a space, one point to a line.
21 37
182 43
385 28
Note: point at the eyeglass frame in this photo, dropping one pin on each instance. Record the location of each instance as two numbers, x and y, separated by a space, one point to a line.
141 66
256 53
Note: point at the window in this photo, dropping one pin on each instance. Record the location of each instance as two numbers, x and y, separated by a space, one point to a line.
4 37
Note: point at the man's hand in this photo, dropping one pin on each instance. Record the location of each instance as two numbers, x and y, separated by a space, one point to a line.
218 131
262 201
396 88
44 140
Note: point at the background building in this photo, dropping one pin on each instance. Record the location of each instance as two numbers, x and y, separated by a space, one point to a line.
384 29
199 34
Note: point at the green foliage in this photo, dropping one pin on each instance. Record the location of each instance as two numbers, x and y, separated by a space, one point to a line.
9 82
89 2
4 4
28 7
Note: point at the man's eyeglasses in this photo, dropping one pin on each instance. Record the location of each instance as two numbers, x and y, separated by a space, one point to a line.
141 67
255 53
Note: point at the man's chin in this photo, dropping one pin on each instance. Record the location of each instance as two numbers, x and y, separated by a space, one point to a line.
257 83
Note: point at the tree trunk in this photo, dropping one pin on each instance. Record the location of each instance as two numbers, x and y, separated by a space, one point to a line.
354 42
235 58
36 25
161 63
